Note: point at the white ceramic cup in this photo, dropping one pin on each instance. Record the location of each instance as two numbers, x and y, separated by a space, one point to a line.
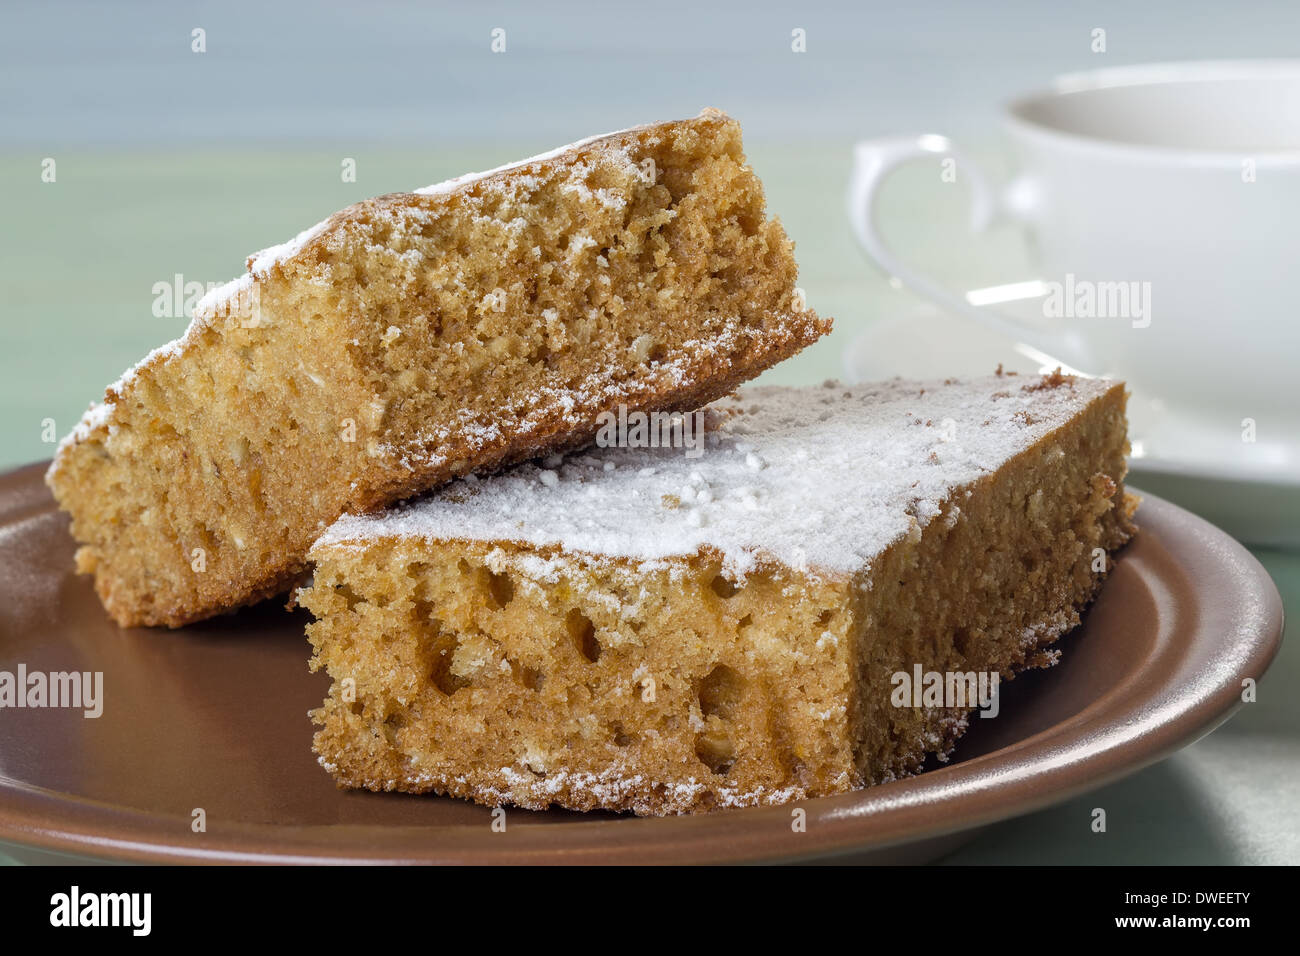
1162 209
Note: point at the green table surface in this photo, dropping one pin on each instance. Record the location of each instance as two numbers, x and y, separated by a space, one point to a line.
79 259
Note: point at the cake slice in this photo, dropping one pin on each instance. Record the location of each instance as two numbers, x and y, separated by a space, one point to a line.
420 336
636 629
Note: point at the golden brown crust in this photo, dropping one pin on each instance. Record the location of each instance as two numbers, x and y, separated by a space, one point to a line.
315 251
460 331
385 486
466 677
356 763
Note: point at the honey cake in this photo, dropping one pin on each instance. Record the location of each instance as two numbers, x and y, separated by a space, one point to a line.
420 336
634 629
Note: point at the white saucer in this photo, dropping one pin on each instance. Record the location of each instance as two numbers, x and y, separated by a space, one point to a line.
1250 489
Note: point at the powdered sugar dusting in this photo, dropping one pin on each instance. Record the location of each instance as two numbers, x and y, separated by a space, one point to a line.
450 186
260 263
521 417
231 291
614 787
99 414
820 478
95 417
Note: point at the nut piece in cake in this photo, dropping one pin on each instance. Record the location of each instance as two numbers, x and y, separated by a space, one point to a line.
638 630
419 336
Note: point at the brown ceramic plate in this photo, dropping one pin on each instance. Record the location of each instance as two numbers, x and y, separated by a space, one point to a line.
214 717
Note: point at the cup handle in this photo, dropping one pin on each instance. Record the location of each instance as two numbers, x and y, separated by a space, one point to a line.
873 161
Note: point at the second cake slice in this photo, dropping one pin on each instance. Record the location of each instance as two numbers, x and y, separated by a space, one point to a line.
636 629
418 336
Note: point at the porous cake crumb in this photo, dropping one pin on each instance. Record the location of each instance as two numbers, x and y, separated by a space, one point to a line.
420 336
632 629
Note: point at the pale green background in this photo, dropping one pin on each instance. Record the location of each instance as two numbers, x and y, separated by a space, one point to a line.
174 162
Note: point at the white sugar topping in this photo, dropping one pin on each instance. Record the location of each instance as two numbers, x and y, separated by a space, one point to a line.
460 182
99 413
230 291
820 478
260 262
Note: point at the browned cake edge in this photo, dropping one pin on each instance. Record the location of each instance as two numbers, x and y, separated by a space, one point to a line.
617 790
381 484
357 764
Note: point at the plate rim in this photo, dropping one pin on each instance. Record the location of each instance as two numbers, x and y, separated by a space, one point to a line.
1244 609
